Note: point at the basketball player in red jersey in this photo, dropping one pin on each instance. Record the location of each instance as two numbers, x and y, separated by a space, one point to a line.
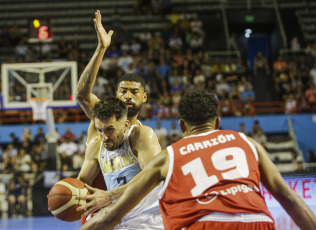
130 89
211 179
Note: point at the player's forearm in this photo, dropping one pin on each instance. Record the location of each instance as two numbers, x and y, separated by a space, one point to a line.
131 196
301 214
89 75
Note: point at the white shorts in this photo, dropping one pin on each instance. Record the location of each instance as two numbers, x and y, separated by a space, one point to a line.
146 215
142 221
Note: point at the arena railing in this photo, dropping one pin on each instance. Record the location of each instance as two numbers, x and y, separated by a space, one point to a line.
168 112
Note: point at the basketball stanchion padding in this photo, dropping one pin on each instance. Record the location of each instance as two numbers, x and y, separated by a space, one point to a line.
62 202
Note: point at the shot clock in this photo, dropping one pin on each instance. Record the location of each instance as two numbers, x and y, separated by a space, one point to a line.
40 30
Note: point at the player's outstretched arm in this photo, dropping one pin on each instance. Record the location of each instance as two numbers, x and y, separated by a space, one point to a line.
145 142
135 191
85 98
90 167
290 200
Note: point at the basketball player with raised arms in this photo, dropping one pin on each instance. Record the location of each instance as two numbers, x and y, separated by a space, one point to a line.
131 91
211 179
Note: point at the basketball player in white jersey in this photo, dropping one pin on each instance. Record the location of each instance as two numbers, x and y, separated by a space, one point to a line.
130 89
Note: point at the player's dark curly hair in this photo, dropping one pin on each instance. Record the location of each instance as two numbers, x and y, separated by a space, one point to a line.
132 77
108 107
198 107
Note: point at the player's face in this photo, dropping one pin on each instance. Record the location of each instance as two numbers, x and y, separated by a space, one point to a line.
132 93
112 132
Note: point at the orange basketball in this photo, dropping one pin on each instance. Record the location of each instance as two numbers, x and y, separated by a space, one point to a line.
62 202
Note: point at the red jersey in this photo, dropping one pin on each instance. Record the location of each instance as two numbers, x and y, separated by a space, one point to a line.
212 172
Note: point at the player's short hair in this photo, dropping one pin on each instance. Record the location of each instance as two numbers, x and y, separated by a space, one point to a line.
108 107
132 77
198 107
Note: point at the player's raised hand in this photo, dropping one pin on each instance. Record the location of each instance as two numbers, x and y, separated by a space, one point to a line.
96 200
104 38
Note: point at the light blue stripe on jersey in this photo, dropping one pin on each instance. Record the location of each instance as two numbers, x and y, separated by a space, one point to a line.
119 178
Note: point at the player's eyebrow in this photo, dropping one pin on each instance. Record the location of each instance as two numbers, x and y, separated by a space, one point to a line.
129 88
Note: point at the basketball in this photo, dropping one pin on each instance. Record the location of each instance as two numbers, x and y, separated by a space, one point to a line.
62 202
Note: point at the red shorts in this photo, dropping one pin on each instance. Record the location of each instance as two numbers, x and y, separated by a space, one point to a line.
231 225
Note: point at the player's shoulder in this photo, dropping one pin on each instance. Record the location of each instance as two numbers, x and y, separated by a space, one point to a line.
142 130
92 147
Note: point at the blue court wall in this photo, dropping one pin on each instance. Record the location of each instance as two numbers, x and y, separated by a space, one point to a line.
304 126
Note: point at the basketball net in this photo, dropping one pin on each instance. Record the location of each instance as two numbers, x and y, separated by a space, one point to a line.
39 107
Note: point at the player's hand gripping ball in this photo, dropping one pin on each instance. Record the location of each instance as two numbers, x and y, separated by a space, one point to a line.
62 202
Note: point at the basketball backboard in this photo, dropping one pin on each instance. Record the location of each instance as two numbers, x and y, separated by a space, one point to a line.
53 80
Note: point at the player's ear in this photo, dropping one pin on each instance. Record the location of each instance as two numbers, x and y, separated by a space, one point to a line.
126 125
217 122
144 97
182 125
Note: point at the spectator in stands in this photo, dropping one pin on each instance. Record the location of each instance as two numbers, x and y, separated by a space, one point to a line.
68 134
39 138
36 155
124 61
27 135
261 64
175 42
199 79
174 18
163 69
144 38
242 129
197 25
312 73
135 47
125 46
21 50
15 140
18 186
7 159
22 161
290 104
233 43
310 93
66 151
234 96
62 49
162 134
247 92
311 157
77 160
113 52
255 128
279 66
196 42
98 89
260 137
218 67
295 45
174 134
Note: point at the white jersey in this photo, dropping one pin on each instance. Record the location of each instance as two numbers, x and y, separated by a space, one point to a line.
119 167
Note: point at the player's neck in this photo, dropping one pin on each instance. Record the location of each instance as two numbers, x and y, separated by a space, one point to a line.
133 120
194 130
